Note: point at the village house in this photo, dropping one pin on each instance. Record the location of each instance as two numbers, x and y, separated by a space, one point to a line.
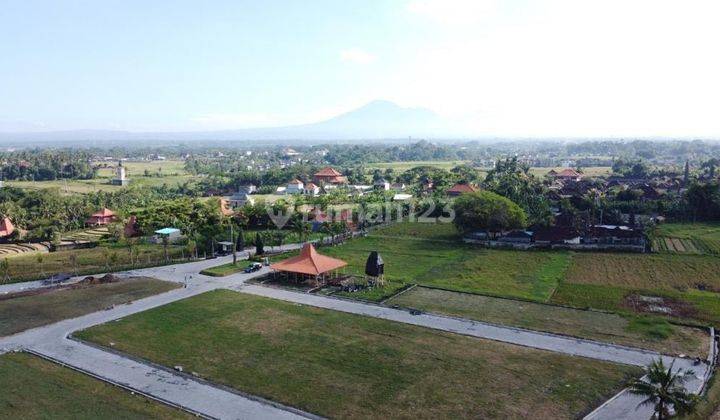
311 189
398 186
295 187
382 185
247 189
102 218
329 175
556 235
567 175
459 189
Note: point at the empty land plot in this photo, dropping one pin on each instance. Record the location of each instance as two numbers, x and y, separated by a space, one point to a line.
24 312
343 365
37 389
454 265
641 271
645 332
687 284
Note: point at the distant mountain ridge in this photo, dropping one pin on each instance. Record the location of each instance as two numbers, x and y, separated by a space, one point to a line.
376 120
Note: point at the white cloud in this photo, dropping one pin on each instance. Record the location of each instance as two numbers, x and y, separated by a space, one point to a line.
356 55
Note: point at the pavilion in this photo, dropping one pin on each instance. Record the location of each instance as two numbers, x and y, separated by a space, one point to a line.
309 265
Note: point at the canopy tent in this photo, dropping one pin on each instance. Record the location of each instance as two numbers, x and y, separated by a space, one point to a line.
309 262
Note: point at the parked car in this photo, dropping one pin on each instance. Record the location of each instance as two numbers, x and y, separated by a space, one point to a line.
253 267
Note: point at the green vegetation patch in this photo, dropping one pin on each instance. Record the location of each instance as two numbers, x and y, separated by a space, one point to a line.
645 271
21 313
648 332
426 254
37 389
225 269
341 365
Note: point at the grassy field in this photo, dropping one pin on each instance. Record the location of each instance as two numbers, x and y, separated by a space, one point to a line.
430 254
653 333
33 388
170 172
25 312
605 281
225 269
88 260
688 238
644 271
342 365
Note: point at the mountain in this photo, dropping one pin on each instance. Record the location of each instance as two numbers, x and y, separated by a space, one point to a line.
376 120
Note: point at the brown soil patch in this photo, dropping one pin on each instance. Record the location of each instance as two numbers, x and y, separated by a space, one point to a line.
660 305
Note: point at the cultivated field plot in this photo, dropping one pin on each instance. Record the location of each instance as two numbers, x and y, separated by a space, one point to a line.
159 172
643 271
87 260
687 285
652 333
49 306
341 365
688 238
86 235
431 254
22 249
37 389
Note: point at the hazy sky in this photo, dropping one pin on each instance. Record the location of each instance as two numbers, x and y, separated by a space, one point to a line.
525 67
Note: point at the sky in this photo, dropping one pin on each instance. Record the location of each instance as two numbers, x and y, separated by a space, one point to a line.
533 68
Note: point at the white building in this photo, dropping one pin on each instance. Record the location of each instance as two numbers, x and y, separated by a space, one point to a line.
295 187
311 189
240 199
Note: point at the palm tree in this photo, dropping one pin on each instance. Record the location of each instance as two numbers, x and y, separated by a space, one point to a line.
664 389
302 229
40 258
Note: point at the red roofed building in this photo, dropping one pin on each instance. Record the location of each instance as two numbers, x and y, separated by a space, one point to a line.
101 218
6 227
329 175
309 263
568 174
458 189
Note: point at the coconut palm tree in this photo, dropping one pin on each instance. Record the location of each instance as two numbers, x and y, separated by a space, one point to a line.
302 229
663 388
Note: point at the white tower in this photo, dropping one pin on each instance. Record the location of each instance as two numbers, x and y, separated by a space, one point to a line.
120 175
